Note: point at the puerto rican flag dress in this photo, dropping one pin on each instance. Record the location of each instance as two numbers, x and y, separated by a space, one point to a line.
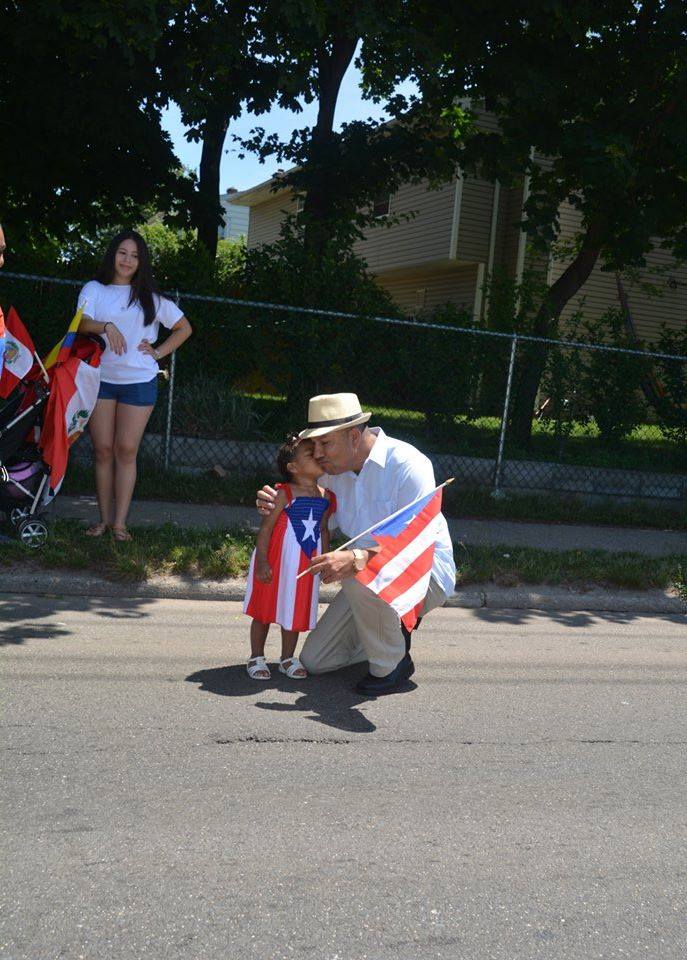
296 537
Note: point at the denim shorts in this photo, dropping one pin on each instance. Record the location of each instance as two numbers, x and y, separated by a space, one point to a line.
135 394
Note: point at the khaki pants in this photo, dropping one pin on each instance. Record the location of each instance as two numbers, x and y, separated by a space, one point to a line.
358 626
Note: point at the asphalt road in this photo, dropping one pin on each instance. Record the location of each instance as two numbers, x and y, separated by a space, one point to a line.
526 800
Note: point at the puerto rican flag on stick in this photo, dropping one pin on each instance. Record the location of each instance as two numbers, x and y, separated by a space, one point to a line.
399 574
19 354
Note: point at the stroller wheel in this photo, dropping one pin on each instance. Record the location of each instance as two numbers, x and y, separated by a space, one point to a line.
18 514
33 533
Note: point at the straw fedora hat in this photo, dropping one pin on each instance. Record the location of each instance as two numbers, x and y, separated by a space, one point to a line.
333 411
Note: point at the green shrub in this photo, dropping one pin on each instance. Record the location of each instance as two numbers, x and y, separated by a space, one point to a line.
302 354
582 385
181 263
434 372
208 407
672 385
512 307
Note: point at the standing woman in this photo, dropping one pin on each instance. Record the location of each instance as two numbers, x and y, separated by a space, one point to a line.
123 305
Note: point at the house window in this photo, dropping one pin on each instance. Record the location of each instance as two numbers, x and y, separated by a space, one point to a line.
300 204
381 205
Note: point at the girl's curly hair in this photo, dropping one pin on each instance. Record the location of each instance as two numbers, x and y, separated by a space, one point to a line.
287 453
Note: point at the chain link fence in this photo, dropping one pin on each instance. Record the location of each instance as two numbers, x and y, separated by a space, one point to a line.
609 422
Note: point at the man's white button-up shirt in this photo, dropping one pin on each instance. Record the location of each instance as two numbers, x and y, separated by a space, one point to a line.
394 474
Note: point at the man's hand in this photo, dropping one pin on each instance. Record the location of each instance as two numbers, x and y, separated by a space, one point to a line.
263 571
266 500
334 566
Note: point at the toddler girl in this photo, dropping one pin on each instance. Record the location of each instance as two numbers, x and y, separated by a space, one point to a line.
294 531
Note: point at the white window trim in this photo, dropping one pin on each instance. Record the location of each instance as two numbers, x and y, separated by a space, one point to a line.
382 216
455 224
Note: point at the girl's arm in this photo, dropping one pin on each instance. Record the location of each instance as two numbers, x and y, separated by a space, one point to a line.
325 537
180 332
107 329
324 524
262 543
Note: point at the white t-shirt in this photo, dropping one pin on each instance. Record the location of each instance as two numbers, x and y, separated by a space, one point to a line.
103 302
394 474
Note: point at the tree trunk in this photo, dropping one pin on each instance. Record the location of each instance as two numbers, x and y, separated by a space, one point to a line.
207 210
531 359
332 66
305 365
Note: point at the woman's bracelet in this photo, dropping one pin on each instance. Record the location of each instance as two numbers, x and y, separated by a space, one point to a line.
105 325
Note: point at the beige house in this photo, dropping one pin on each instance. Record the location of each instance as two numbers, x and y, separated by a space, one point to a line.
461 232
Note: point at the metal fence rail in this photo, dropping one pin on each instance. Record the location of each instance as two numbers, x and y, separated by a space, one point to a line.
244 379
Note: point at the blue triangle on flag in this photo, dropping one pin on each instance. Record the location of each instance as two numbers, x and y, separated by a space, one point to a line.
305 516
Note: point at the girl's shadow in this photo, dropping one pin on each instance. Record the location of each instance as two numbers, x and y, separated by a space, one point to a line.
328 697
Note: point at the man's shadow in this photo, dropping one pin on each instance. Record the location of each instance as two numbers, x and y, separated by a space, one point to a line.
329 697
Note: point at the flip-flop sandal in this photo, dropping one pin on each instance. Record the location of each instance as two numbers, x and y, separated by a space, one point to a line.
97 529
121 534
294 666
257 666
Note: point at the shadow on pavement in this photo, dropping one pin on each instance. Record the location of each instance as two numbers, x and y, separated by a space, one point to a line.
329 698
22 615
569 618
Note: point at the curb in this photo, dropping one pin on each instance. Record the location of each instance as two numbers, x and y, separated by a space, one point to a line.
69 584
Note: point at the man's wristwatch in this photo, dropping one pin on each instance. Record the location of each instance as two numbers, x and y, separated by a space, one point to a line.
359 559
156 354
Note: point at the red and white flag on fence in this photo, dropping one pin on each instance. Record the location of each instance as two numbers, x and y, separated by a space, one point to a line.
74 385
19 354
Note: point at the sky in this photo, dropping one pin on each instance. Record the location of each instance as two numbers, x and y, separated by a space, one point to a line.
245 173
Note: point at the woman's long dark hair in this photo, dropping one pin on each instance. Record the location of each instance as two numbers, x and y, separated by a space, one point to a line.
143 286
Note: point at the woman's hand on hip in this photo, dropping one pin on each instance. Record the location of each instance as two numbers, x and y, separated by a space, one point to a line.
115 339
145 346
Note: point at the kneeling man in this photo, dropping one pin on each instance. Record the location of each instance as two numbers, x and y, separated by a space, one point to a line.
372 475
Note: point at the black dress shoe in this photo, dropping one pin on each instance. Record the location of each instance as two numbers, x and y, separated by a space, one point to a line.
392 681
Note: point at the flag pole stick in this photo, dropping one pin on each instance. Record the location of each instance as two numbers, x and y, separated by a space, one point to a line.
391 516
40 364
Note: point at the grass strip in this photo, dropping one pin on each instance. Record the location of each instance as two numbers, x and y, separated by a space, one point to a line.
168 549
459 501
216 555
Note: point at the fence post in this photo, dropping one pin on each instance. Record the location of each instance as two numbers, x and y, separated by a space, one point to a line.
497 493
170 406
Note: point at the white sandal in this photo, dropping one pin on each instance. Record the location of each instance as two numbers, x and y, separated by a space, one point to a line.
256 666
294 665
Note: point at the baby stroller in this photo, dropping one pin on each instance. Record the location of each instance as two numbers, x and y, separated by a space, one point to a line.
39 420
23 474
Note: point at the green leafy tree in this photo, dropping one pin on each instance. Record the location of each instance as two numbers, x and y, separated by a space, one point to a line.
80 136
341 172
213 64
597 88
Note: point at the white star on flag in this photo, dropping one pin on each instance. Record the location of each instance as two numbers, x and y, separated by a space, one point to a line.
309 525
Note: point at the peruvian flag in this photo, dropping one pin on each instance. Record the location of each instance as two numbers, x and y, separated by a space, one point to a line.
2 339
399 574
74 385
19 354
